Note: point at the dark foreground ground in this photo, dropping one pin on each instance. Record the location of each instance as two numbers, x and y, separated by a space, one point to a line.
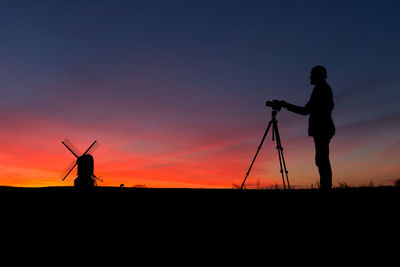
372 198
201 221
369 194
241 209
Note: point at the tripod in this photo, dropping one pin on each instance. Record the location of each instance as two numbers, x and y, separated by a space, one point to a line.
277 138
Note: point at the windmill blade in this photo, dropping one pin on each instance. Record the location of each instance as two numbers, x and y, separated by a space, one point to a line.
92 148
68 144
69 169
98 178
76 153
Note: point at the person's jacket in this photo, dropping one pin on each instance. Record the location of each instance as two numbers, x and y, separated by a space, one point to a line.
319 108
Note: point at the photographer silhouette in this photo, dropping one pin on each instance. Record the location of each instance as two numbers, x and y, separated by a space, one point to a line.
320 124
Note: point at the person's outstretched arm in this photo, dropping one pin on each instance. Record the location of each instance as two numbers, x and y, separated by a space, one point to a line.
296 109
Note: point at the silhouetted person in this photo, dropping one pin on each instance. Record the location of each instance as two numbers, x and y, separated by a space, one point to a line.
320 124
85 180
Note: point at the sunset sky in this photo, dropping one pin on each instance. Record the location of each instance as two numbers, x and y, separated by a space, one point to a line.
175 91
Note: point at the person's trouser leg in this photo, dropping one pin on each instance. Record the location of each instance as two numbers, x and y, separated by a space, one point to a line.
322 161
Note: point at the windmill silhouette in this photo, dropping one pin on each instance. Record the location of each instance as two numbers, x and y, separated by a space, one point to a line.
86 178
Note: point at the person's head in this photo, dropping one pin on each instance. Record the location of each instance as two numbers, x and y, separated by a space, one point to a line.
318 75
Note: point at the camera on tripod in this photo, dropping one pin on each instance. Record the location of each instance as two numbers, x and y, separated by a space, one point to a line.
275 104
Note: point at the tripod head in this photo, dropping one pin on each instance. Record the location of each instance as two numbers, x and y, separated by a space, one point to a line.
276 105
274 112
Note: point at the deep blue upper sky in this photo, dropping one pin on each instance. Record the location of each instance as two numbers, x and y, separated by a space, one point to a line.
160 64
244 46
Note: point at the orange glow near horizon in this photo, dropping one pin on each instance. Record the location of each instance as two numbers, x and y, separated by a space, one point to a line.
215 159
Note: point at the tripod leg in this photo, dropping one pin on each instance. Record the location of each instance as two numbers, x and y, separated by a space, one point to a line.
284 166
278 147
281 157
258 150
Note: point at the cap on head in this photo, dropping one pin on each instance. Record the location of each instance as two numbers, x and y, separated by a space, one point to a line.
319 72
